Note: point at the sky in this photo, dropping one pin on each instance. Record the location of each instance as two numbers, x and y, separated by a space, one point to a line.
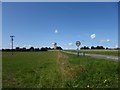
39 24
0 25
60 0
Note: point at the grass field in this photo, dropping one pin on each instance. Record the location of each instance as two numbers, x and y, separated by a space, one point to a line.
101 52
58 70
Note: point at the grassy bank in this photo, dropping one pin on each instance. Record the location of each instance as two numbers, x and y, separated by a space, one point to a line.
100 52
94 73
58 70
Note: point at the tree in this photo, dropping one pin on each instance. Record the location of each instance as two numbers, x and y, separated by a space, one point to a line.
92 47
59 48
100 47
85 47
46 48
31 48
82 48
23 49
49 48
3 49
7 49
37 49
43 49
106 47
17 49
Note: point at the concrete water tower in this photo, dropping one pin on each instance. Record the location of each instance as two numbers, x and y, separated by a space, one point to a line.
54 45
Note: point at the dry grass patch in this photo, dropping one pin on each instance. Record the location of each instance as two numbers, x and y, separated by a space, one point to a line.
66 69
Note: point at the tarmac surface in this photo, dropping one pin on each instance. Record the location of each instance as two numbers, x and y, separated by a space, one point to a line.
114 58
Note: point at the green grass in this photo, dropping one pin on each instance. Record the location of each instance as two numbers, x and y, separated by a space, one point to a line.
0 70
58 70
101 52
94 73
30 69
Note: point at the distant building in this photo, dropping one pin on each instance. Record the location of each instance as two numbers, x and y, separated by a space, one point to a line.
54 45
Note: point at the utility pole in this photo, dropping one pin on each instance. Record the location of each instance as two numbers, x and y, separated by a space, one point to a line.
12 43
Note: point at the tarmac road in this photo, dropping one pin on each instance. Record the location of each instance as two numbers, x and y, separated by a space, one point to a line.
114 58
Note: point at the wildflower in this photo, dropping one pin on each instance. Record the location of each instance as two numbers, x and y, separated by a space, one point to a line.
105 81
88 86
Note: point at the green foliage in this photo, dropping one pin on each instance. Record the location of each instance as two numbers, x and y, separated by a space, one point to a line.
101 52
55 69
30 69
95 73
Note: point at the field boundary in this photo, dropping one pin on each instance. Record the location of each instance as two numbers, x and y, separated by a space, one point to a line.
114 58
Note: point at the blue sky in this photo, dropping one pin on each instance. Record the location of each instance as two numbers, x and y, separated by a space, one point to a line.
40 24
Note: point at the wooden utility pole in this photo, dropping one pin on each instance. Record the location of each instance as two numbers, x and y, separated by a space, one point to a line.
12 43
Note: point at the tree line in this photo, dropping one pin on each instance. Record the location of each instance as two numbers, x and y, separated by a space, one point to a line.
58 48
97 47
32 49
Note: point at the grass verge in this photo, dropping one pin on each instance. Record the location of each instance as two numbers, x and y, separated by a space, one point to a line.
55 69
101 52
94 73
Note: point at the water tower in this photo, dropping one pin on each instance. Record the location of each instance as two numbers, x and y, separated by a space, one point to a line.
54 45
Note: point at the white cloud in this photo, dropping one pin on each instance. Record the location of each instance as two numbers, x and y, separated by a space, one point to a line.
56 31
30 46
105 41
92 36
10 44
70 44
108 40
116 46
66 48
16 45
65 44
24 46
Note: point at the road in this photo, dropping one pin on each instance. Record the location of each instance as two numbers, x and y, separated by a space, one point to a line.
114 58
